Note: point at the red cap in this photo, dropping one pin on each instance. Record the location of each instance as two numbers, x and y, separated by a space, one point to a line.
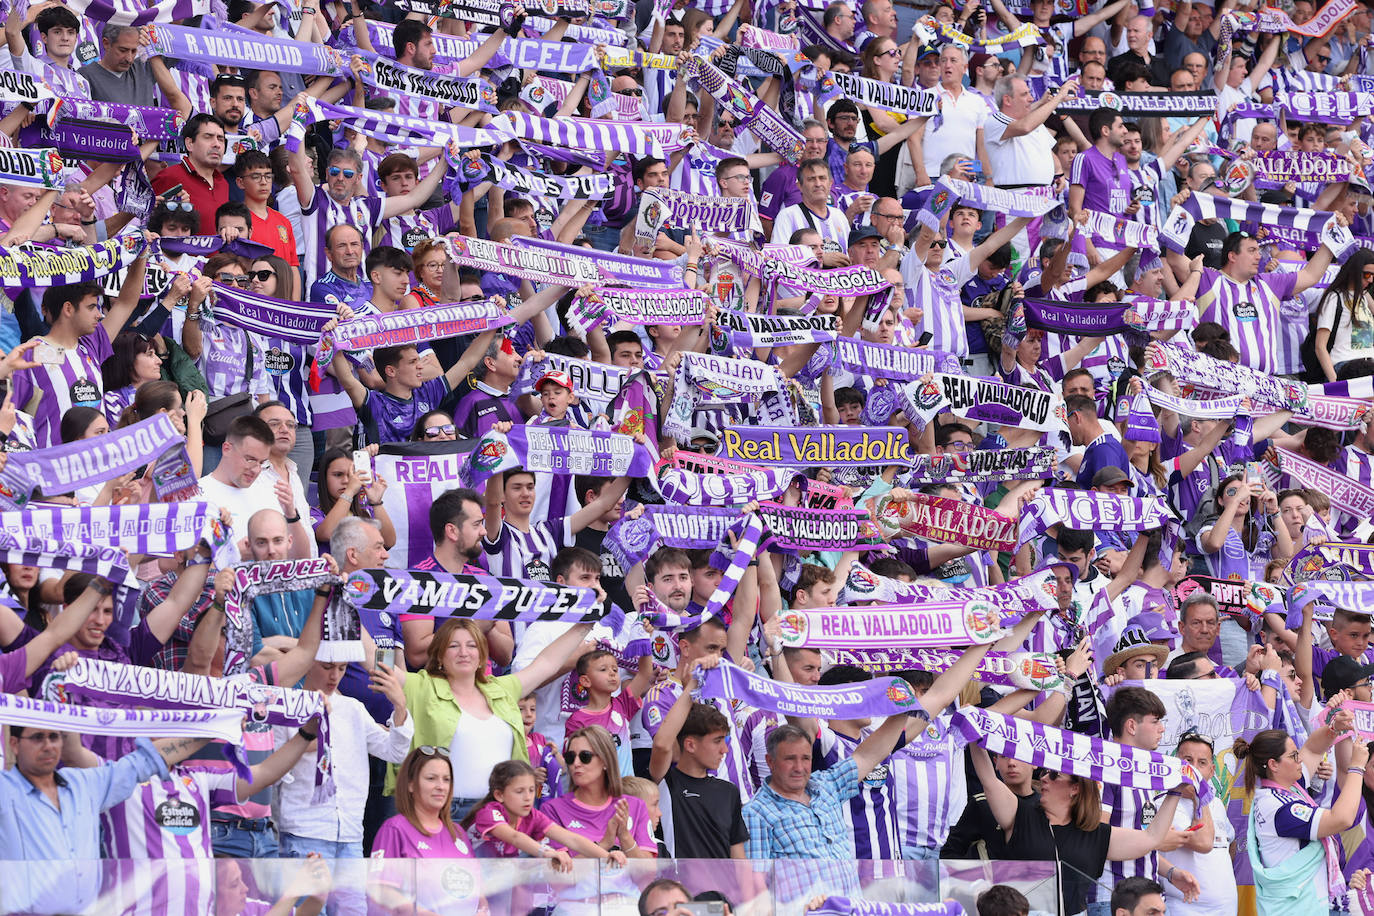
558 378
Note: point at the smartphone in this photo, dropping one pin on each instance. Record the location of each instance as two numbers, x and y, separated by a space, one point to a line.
975 166
924 339
385 657
47 354
703 908
1252 472
172 193
362 462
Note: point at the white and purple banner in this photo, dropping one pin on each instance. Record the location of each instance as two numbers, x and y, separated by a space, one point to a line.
556 450
929 624
1090 510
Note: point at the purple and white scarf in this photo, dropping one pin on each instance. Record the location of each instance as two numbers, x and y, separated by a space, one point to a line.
987 400
878 697
1203 371
17 87
69 467
796 528
911 101
212 43
705 213
1011 203
109 563
875 360
1025 36
819 446
770 126
631 138
1116 233
43 266
414 326
1027 594
818 495
1325 106
1080 755
155 529
749 533
1038 462
930 624
1212 409
614 267
267 578
751 329
400 80
630 541
529 183
846 906
527 264
943 519
160 689
437 593
556 450
406 130
298 322
1179 224
606 305
703 379
148 123
731 488
1145 104
1022 670
1346 494
589 378
32 168
1340 414
163 11
1090 510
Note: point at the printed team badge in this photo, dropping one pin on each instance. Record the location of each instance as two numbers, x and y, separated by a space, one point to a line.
900 694
662 651
475 168
939 201
1237 177
862 581
1110 100
488 94
793 627
981 620
488 456
1035 672
359 588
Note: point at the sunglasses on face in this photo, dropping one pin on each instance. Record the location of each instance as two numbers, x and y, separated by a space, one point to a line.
262 276
940 243
634 92
335 172
585 757
233 279
444 430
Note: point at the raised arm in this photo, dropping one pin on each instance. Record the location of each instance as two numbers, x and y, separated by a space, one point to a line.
1001 800
547 663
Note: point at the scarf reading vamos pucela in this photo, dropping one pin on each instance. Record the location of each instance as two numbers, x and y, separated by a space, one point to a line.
819 446
1022 670
556 450
220 724
414 326
1089 510
606 305
703 380
474 167
42 266
1346 494
402 592
928 624
273 577
1079 755
878 697
1226 378
943 519
159 689
986 400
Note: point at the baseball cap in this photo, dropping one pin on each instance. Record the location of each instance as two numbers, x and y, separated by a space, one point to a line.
927 50
1343 672
557 377
859 233
1109 475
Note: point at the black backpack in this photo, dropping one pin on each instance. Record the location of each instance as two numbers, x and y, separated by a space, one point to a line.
1307 350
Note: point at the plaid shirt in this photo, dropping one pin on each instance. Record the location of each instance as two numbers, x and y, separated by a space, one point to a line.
780 828
173 656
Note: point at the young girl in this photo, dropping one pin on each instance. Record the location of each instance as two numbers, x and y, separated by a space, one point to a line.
343 492
548 771
505 823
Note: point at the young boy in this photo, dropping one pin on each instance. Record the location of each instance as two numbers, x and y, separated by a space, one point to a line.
543 755
609 704
556 395
1349 633
390 414
703 815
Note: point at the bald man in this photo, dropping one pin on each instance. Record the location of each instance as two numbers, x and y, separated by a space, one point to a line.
277 618
1265 137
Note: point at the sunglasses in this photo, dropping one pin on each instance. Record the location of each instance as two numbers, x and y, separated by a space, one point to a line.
233 279
634 92
1193 734
446 429
262 276
175 205
890 52
335 172
585 757
430 750
940 243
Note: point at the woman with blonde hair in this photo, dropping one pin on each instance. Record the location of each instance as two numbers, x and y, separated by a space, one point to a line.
460 706
597 806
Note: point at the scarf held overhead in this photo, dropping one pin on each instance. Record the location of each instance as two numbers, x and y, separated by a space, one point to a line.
931 624
556 450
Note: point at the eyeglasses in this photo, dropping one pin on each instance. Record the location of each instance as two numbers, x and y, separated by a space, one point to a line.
430 750
890 215
740 177
43 737
1053 776
283 424
959 446
1323 59
585 757
233 279
175 205
262 276
335 172
445 430
257 176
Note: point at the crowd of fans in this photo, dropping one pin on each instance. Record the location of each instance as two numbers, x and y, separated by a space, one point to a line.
1039 168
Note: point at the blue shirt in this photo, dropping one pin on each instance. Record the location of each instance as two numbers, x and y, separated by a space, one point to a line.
343 291
32 829
1103 452
780 828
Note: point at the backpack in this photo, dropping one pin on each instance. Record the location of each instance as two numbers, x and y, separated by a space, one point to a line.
1307 350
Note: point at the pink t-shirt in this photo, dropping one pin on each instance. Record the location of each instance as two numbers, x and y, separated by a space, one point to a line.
398 838
615 718
567 811
532 825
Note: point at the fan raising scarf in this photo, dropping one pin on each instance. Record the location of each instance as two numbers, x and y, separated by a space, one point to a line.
703 379
871 93
1226 378
751 329
297 322
607 305
414 326
1101 318
1022 670
1090 510
413 592
631 138
1025 595
792 528
42 266
1316 227
513 261
556 450
1079 755
948 191
631 541
738 485
109 563
769 125
273 577
1025 36
875 698
32 168
212 43
67 468
614 267
987 400
930 624
474 167
817 446
160 689
156 529
876 360
590 379
1346 494
1213 409
1145 104
941 518
982 466
396 79
845 906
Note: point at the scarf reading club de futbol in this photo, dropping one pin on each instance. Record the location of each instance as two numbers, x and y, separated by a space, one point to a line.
751 329
556 450
124 685
1022 670
929 624
878 697
413 326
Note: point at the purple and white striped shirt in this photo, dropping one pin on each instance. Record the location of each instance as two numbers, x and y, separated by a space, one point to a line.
937 294
1133 809
928 779
410 229
165 820
872 814
1249 312
526 554
46 392
324 212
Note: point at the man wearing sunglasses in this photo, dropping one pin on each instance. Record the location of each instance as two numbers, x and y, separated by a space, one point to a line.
198 173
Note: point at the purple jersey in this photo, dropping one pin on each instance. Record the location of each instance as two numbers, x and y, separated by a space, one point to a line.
928 775
386 418
480 407
46 392
1106 183
872 814
1133 809
324 212
567 811
165 820
408 230
526 554
1249 312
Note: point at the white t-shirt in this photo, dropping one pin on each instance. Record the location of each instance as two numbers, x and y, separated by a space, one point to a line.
242 504
1354 337
1212 869
1024 160
960 119
1228 98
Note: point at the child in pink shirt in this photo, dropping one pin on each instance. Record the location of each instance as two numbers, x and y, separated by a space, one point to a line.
598 675
506 824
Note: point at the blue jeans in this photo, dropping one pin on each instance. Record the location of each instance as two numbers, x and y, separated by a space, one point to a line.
349 897
235 842
1100 908
459 807
603 238
920 853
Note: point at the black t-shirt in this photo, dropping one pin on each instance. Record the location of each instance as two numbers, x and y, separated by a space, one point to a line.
612 576
1207 240
1083 854
702 818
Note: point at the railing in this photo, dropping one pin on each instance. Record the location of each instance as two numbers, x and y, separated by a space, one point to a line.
415 887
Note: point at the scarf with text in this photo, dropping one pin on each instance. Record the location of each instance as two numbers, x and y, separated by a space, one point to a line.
948 191
943 519
273 577
752 329
986 400
819 495
1037 462
1090 510
414 326
1211 409
1079 755
1025 36
846 906
929 624
1238 598
524 263
767 124
1317 225
878 697
631 541
556 450
1145 104
607 305
160 689
589 378
162 11
1022 670
820 446
615 267
1346 494
212 43
1030 594
474 167
911 101
42 266
396 79
69 467
703 380
716 486
403 593
297 322
32 168
109 563
795 528
154 529
1100 319
1202 371
876 360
